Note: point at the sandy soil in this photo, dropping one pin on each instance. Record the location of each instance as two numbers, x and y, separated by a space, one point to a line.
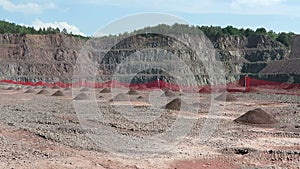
43 131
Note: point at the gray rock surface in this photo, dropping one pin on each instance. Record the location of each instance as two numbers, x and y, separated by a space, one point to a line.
52 58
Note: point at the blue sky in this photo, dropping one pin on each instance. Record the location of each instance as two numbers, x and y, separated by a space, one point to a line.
87 16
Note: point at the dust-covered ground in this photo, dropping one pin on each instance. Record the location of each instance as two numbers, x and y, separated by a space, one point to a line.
100 131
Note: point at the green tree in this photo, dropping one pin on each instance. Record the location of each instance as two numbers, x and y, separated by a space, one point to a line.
249 32
284 38
272 34
230 30
261 31
64 31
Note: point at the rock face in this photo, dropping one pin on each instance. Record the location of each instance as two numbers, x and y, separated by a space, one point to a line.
251 55
38 57
52 58
287 69
150 57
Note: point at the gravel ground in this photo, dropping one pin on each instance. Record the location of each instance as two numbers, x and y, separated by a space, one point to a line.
48 130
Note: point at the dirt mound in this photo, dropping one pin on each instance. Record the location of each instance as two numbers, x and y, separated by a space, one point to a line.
58 93
177 104
170 93
18 88
165 89
120 97
206 89
85 89
227 97
29 91
256 116
10 88
43 91
133 92
81 96
140 98
55 87
105 90
40 87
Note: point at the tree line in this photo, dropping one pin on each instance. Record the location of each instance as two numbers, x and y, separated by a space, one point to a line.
210 31
7 27
217 31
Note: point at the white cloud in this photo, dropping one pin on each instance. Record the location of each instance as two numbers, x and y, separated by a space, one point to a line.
27 8
37 24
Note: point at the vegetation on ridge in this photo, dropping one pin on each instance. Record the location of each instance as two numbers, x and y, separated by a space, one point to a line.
217 31
7 27
210 31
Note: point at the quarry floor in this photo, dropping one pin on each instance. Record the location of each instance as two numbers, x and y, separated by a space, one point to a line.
44 131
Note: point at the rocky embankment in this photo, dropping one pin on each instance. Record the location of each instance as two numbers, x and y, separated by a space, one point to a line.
52 57
38 57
